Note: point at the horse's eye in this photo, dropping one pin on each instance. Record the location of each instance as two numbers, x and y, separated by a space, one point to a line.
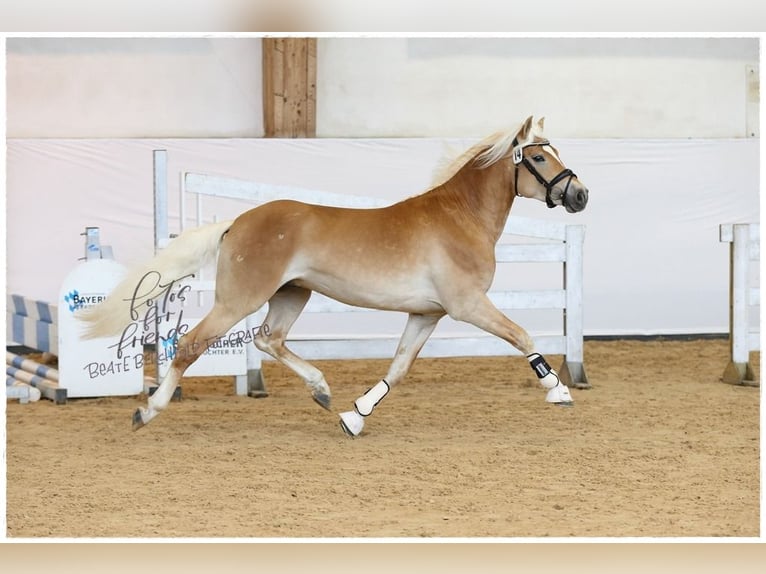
538 158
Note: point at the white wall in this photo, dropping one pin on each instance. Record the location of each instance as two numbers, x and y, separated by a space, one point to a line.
387 87
593 88
129 87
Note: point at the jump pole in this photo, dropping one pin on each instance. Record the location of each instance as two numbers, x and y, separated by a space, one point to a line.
22 391
42 378
47 388
31 366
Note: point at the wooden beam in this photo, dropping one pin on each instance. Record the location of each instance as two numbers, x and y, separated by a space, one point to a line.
311 92
289 87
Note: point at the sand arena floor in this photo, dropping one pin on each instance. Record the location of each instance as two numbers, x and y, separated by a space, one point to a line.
463 448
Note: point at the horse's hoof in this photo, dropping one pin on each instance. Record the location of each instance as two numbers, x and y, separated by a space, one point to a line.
352 423
559 395
138 421
322 399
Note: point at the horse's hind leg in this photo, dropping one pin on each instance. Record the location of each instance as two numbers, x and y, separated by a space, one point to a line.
416 333
189 348
284 308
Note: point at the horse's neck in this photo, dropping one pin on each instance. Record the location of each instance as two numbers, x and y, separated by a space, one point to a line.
481 197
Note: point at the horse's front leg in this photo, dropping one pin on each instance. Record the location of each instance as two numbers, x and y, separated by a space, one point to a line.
558 392
416 333
484 315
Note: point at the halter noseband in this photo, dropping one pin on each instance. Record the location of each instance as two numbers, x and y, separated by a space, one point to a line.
518 158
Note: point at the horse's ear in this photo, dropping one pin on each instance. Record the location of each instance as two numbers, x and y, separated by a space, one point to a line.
540 124
525 129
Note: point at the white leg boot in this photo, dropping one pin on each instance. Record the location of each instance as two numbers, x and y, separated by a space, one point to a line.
352 422
558 392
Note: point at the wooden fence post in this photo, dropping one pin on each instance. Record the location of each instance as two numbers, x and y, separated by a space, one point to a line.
289 87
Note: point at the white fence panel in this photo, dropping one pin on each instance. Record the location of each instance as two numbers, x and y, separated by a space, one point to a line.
744 250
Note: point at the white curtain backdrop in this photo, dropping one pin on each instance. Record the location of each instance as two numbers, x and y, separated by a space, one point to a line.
653 262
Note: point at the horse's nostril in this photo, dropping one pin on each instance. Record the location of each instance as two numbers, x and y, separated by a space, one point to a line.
582 197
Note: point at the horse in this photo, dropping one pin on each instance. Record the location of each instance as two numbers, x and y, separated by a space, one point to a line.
429 255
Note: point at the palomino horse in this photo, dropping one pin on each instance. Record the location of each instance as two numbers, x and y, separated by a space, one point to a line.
430 255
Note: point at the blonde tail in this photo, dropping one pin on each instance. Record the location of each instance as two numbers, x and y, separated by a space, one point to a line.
185 255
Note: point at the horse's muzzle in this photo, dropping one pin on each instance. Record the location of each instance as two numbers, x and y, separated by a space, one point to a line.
576 198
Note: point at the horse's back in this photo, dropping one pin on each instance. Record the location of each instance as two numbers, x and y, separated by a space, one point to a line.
296 220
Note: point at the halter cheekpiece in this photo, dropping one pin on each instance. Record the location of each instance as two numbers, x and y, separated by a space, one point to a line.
518 158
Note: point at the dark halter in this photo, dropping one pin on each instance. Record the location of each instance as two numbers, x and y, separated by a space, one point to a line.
518 158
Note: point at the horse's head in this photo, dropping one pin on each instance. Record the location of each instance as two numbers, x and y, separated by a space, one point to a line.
540 173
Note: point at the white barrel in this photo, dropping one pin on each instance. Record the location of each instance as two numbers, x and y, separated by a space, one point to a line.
95 367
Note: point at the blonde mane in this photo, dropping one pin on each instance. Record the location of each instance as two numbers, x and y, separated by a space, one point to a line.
485 153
